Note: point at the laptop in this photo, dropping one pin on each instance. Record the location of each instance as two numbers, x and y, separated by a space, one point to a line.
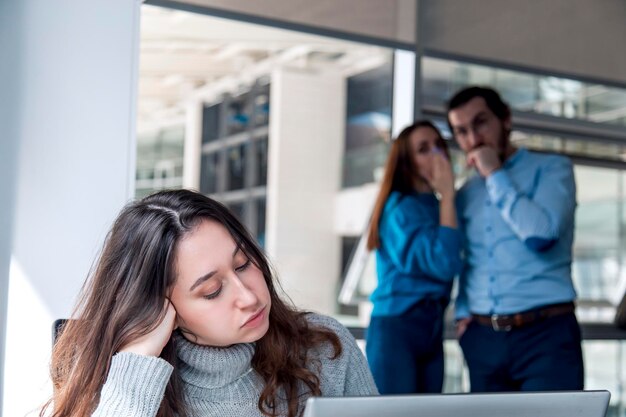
522 404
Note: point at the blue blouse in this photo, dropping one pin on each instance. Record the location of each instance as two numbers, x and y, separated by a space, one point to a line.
417 257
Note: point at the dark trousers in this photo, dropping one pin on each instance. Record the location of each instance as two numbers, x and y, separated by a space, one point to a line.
405 353
542 356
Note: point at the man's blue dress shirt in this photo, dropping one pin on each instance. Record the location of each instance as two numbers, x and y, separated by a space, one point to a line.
518 226
417 257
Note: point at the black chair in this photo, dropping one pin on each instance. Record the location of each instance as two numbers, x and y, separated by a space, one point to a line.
57 326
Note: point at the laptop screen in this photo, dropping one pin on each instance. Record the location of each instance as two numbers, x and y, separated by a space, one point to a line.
526 404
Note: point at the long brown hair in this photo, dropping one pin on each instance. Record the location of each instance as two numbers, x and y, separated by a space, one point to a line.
398 175
123 300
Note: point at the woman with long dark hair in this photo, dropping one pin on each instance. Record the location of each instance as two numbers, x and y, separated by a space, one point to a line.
181 317
418 246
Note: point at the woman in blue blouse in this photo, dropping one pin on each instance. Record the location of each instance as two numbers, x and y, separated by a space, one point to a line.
417 256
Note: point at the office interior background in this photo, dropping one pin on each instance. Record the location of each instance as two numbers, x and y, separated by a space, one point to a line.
284 110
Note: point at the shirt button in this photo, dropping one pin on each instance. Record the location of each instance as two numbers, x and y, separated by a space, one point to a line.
488 228
492 279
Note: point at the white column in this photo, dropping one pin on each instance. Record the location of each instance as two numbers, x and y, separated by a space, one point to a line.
71 107
192 153
10 47
307 127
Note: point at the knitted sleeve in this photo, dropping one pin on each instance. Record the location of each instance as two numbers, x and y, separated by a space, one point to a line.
134 387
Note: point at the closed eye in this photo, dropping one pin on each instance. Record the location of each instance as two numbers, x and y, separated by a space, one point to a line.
213 294
243 267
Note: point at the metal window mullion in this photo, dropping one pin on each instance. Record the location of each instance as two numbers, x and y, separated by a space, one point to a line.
248 156
222 167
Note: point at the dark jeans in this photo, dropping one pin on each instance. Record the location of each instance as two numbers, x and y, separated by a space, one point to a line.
541 356
405 353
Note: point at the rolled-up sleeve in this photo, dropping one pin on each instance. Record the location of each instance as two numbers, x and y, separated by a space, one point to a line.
537 218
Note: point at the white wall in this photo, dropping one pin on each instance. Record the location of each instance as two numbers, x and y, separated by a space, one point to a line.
70 105
392 20
576 37
10 17
304 175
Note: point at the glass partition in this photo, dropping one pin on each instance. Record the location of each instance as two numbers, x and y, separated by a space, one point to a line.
543 94
368 124
231 80
159 160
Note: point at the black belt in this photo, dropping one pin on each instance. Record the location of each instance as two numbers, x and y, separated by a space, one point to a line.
506 322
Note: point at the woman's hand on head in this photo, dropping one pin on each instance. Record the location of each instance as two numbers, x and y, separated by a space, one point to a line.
442 179
152 344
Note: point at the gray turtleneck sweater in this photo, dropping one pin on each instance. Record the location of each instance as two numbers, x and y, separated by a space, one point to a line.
220 381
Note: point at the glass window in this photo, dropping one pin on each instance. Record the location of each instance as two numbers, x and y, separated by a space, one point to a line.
262 105
236 166
238 209
598 238
210 123
260 220
572 147
543 94
159 160
348 245
261 161
368 125
237 114
209 173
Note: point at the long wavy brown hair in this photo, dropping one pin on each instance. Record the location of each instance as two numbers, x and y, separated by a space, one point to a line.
123 298
398 175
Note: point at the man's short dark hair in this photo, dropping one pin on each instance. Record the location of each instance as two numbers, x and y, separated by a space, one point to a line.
491 97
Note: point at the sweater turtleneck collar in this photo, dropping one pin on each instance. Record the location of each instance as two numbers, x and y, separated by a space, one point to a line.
212 367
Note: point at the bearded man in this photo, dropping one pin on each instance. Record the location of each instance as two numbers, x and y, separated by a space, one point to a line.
515 307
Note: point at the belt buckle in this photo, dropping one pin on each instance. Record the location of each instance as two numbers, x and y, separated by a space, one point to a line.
496 326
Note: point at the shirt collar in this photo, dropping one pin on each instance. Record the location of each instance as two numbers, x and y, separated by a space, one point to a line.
515 158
